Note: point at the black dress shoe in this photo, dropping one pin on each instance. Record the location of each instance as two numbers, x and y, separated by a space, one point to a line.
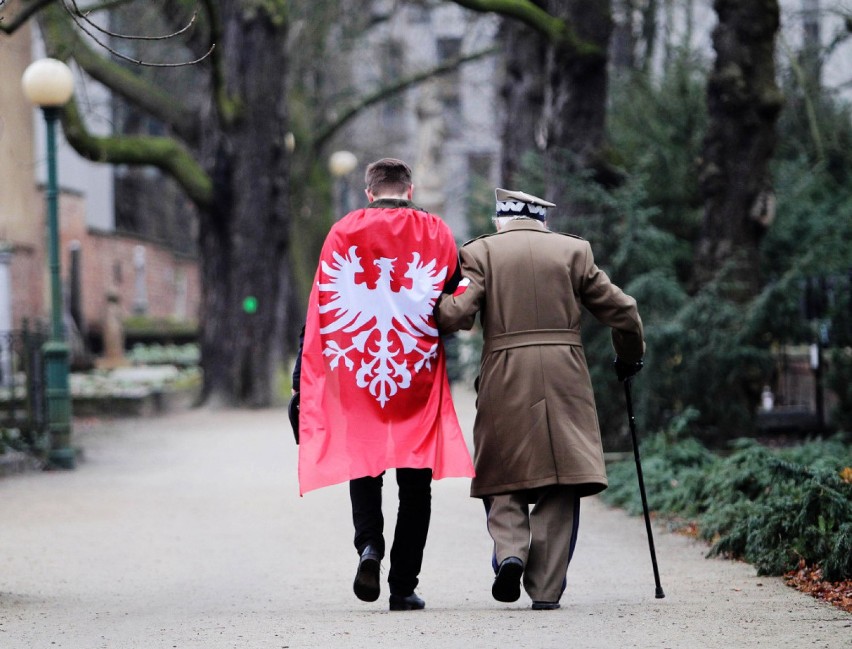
545 606
410 603
366 584
507 583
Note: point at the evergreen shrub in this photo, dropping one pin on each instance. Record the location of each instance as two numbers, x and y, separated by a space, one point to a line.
766 506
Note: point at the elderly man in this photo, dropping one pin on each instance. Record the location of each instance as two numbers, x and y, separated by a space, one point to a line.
536 436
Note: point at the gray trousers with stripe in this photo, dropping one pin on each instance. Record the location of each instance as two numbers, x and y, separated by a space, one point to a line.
539 526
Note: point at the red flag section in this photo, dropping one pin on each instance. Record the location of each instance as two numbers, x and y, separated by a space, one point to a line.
374 388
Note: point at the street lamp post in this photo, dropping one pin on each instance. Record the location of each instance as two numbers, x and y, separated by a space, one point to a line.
48 83
341 164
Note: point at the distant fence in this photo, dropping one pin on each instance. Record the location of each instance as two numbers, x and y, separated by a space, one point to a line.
23 403
798 402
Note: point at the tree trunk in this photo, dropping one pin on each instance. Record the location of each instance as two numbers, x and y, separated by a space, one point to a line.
634 45
623 48
812 45
523 96
555 94
575 101
244 236
743 103
650 25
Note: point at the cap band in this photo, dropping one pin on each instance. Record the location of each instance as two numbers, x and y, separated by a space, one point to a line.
520 208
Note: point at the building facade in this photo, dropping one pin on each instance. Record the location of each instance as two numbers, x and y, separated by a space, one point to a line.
145 276
446 126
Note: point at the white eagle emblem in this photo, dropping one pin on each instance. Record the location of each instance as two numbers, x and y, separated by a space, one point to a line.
356 307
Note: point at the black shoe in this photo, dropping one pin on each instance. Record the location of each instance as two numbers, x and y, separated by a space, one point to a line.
545 606
507 583
366 584
410 603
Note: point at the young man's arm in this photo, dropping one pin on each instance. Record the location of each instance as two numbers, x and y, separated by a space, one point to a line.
297 368
458 310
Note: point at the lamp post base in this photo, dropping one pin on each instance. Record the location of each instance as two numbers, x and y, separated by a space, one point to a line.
62 458
61 455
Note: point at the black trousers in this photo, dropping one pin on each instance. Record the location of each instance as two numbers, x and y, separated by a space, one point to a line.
412 523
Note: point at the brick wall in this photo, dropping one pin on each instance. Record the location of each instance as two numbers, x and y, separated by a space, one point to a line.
28 270
109 263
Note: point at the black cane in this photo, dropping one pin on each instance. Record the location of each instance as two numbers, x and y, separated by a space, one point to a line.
659 592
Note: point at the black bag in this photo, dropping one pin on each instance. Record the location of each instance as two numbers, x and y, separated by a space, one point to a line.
293 413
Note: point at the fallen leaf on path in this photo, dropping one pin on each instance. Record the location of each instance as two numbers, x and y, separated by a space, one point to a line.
808 579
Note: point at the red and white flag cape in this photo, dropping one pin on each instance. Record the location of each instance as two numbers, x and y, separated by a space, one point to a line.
374 389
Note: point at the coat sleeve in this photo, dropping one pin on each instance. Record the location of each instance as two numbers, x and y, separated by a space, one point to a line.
612 307
458 310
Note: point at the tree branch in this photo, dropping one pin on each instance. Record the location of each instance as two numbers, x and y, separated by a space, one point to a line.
810 110
327 132
105 5
523 10
840 36
175 13
96 33
556 30
25 14
82 15
227 106
164 153
64 42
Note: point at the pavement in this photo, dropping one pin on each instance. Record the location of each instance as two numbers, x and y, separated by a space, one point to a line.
187 530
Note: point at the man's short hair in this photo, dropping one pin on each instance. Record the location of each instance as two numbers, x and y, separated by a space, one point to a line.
388 176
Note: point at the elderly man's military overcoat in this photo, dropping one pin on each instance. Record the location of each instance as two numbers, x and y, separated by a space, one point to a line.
536 423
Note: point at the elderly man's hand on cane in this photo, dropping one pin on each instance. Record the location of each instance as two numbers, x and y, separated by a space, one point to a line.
625 370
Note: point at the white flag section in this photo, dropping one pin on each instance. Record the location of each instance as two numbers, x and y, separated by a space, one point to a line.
384 324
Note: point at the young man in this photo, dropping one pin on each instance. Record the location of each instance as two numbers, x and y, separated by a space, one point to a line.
536 433
373 389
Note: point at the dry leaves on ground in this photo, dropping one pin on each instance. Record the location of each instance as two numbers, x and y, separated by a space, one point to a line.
808 579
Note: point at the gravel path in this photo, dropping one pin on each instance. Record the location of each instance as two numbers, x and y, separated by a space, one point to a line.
187 530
